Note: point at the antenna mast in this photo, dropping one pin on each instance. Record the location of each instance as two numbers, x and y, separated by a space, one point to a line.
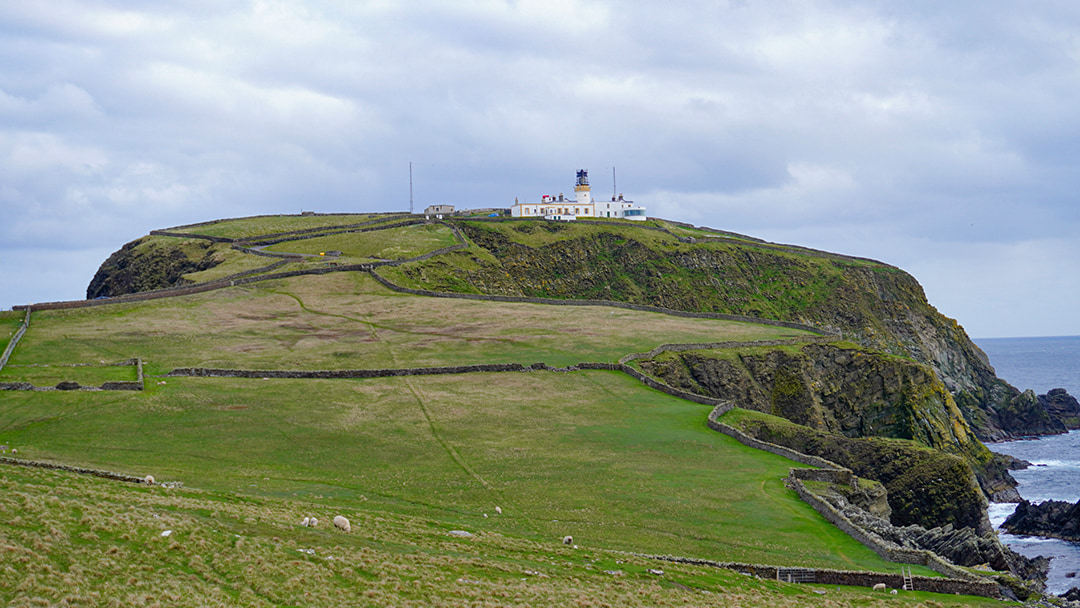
614 189
410 188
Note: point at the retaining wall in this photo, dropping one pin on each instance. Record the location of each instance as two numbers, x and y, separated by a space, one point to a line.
884 549
834 473
772 448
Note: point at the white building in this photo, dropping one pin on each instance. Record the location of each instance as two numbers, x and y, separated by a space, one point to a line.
439 210
582 205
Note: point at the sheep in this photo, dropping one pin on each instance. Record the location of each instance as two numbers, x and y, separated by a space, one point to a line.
879 587
149 480
314 522
306 522
568 540
498 510
342 523
893 592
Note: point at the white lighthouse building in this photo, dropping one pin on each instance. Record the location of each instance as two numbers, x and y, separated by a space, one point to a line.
582 205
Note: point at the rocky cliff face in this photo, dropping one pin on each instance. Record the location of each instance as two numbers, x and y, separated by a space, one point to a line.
148 263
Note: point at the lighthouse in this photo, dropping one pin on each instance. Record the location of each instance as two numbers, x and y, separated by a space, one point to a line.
582 192
552 207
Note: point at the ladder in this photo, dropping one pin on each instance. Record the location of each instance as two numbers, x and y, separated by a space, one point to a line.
906 573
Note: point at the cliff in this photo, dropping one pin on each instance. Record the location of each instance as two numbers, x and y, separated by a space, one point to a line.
877 306
151 263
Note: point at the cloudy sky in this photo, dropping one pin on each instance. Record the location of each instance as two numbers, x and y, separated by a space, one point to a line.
942 137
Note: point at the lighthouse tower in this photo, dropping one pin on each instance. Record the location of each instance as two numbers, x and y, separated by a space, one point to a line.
582 192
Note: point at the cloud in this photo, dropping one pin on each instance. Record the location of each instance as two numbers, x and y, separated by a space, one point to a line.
939 136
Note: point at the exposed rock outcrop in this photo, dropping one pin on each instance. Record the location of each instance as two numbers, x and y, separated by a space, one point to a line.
840 390
961 546
1063 406
1052 518
151 263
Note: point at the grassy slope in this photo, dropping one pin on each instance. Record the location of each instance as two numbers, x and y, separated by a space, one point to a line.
381 449
347 320
392 243
590 454
244 228
88 541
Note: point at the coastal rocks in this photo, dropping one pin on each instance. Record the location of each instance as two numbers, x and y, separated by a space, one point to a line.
1026 415
1052 518
1063 406
961 546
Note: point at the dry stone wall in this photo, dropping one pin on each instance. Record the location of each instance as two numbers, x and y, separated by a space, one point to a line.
81 471
824 576
10 348
833 473
69 385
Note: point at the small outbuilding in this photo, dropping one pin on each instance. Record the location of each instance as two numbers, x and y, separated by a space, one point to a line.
439 210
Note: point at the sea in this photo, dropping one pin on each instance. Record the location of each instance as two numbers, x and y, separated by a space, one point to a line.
1042 364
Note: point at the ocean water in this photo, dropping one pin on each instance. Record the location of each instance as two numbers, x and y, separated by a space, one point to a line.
1042 364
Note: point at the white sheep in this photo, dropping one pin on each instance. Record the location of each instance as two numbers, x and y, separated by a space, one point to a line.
314 522
879 587
568 540
342 523
149 480
498 510
306 522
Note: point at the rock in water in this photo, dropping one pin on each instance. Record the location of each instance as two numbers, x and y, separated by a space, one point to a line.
1052 518
1063 406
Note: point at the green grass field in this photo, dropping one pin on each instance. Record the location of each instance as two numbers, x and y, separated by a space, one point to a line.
244 228
348 321
389 244
233 262
86 375
74 540
591 454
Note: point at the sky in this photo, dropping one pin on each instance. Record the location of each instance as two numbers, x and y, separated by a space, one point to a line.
940 137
